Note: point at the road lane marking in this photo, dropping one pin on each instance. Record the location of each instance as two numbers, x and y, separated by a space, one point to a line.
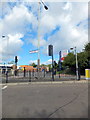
4 87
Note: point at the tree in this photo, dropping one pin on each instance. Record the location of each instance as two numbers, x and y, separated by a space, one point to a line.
42 65
70 62
33 64
87 47
83 60
87 50
49 65
11 62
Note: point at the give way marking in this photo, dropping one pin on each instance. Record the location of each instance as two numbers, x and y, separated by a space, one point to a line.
4 87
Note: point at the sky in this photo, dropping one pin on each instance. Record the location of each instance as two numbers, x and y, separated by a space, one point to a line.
64 25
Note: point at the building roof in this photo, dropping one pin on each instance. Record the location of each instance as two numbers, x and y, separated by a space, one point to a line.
27 67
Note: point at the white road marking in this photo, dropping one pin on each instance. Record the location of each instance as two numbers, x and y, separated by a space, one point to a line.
4 87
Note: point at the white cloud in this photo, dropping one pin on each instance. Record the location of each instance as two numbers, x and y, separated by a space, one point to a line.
65 15
14 24
48 62
33 61
41 41
68 6
17 20
10 46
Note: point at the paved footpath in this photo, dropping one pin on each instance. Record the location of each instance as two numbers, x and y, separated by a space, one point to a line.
45 100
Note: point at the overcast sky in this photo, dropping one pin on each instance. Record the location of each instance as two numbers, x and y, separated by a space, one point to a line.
64 25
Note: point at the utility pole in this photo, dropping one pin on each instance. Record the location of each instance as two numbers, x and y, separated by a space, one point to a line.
76 65
77 76
38 61
39 7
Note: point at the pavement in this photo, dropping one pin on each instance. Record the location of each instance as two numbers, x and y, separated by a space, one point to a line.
64 99
43 81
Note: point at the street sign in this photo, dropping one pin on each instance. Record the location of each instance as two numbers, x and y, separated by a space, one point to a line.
33 51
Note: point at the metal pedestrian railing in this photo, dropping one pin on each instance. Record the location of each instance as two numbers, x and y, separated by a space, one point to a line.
25 76
34 76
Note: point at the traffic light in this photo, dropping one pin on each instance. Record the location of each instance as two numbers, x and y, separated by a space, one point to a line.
50 50
16 60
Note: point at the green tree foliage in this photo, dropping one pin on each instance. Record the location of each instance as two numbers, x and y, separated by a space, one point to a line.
49 65
87 47
11 62
83 60
69 62
87 50
33 64
42 65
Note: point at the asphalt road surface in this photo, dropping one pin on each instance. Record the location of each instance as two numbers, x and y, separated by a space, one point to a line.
62 100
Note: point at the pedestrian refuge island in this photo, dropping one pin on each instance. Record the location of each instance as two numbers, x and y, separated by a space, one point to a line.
87 74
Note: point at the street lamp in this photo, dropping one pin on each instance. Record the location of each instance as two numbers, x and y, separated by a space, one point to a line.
7 38
46 8
77 76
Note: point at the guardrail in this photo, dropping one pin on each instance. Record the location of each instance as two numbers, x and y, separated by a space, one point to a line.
33 76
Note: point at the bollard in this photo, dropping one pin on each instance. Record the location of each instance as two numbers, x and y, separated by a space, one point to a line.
44 72
29 76
24 72
33 72
7 77
59 75
15 72
79 75
87 74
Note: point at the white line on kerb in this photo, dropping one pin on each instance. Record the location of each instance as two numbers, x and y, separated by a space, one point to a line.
4 87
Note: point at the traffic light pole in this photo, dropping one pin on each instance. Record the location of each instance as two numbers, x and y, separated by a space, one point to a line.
50 51
52 69
16 60
15 68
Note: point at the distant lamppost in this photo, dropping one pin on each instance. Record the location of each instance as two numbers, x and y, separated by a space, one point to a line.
7 38
46 8
77 76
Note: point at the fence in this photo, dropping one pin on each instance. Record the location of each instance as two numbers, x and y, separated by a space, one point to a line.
34 76
25 76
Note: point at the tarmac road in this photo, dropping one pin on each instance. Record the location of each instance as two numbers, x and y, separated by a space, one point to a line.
60 100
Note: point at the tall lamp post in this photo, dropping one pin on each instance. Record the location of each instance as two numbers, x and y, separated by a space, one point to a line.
46 8
77 76
7 38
